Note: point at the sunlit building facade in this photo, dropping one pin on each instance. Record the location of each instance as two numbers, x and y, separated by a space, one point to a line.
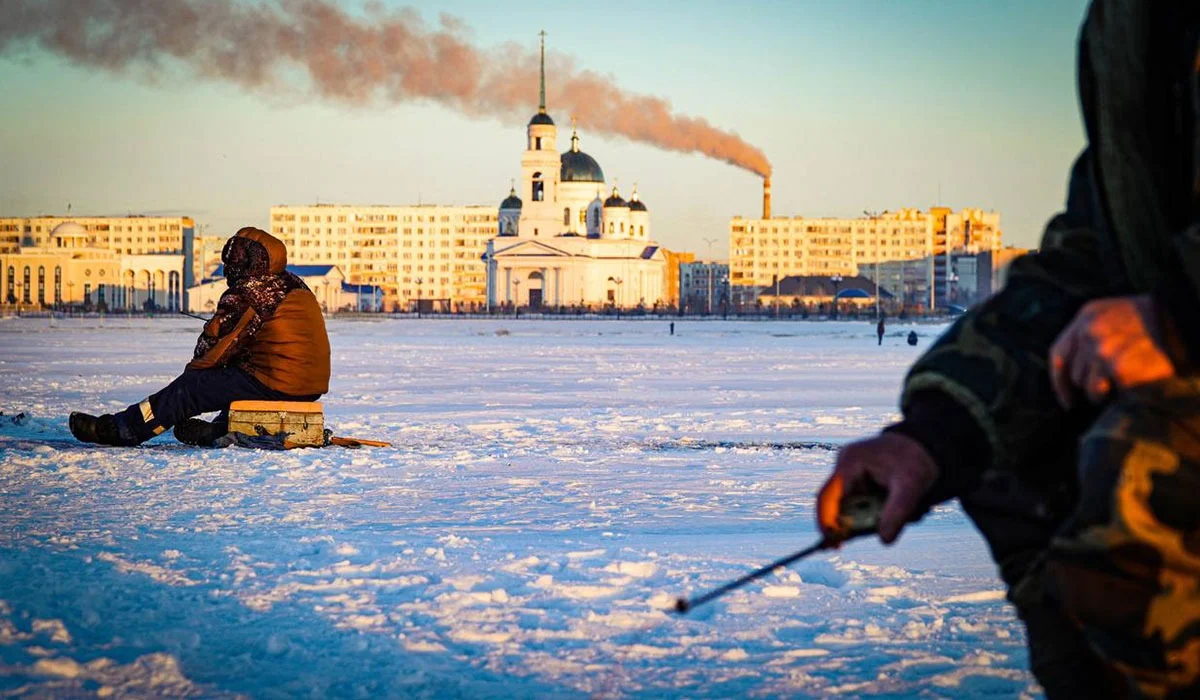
765 250
113 263
427 251
671 274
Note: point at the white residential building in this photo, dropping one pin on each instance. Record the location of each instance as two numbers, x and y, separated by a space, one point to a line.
763 250
704 286
326 282
424 251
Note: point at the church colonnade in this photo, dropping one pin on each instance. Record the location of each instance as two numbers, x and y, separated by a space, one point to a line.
532 286
539 285
47 282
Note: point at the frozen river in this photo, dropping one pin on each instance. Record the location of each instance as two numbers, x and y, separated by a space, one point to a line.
553 487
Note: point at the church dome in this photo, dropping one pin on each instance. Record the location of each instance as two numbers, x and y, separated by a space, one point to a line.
578 166
541 118
635 202
512 201
69 229
614 200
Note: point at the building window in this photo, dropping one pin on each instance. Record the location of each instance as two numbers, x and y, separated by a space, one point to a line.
537 143
58 285
9 294
567 216
596 219
87 293
25 294
583 217
41 285
538 191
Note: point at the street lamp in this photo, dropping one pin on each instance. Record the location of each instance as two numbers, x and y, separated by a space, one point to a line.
487 283
728 297
874 216
516 298
951 290
418 281
617 298
709 267
776 304
837 282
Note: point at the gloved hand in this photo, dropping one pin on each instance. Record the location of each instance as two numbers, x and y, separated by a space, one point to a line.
891 461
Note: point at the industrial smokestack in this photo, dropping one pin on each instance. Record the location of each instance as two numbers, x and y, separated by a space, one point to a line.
766 198
380 55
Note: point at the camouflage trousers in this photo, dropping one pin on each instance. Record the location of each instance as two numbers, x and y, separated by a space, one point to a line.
1105 571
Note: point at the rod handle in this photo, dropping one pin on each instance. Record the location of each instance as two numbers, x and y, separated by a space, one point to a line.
859 514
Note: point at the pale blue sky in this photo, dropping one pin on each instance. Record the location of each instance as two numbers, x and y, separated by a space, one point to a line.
859 105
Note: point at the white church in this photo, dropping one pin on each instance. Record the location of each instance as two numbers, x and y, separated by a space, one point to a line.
561 241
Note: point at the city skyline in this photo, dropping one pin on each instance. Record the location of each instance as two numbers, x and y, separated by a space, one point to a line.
980 104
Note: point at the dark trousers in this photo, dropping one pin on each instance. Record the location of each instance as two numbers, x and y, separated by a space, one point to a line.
1019 518
192 393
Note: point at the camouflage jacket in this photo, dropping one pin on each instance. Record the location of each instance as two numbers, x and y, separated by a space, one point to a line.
980 398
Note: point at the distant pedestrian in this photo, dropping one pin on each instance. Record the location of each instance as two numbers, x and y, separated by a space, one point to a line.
912 337
879 330
672 328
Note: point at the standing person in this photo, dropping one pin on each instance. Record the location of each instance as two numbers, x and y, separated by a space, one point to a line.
879 329
1064 413
267 341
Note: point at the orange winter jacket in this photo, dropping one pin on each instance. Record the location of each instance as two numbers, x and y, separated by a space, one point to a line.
268 322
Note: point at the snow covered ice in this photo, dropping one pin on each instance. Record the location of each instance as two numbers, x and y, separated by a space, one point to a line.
554 486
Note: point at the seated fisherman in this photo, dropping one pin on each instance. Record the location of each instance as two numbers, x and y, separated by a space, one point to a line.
266 342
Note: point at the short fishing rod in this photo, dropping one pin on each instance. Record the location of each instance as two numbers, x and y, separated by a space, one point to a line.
857 516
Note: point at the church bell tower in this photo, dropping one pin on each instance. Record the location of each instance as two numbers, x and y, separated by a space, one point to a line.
540 165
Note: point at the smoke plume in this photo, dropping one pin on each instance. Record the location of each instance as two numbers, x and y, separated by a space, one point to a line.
385 55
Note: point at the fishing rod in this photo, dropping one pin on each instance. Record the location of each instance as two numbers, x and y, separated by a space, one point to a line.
185 313
857 516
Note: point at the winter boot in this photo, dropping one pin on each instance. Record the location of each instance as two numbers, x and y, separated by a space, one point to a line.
101 430
199 433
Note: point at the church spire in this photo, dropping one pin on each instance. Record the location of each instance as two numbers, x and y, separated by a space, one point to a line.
574 134
542 72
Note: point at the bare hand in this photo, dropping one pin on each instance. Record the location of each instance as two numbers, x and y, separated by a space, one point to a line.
894 462
1110 344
